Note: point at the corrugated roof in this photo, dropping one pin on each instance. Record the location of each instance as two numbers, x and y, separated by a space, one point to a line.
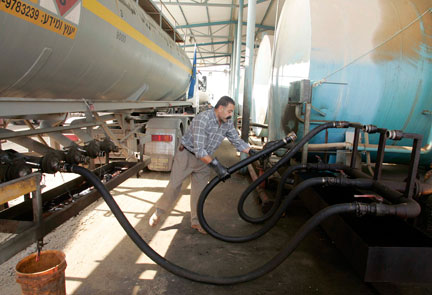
211 24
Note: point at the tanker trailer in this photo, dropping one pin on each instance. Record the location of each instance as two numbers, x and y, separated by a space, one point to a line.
87 57
261 85
361 61
95 75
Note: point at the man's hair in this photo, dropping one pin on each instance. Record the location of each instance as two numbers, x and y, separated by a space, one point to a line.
224 101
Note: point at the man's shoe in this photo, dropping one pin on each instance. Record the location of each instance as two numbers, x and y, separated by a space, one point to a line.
199 228
154 220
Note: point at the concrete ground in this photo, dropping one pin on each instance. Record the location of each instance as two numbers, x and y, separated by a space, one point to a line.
103 260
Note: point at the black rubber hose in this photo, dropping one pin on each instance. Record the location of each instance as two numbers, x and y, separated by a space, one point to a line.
285 159
241 164
260 271
278 195
185 273
277 145
285 203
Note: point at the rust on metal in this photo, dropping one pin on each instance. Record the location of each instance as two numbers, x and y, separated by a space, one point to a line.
46 276
16 188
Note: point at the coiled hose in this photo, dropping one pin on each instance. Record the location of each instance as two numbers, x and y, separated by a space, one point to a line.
269 216
278 195
188 274
365 183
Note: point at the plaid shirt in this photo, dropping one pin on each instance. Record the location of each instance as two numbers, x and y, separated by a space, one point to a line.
205 135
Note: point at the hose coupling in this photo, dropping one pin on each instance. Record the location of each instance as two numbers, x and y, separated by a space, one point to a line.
395 134
336 181
291 137
370 129
363 209
341 124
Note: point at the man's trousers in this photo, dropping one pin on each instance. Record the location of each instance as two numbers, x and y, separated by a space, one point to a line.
185 164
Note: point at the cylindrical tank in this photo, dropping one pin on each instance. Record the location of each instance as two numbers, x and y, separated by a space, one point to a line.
261 84
369 62
76 49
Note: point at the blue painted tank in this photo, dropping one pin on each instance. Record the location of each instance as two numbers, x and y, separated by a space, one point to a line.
369 61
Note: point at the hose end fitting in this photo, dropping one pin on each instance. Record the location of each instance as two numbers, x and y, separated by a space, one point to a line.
65 167
336 181
394 134
364 209
291 137
341 124
370 128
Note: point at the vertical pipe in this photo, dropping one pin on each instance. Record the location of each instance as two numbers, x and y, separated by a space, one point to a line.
355 147
232 71
415 158
249 60
380 154
306 131
238 57
37 201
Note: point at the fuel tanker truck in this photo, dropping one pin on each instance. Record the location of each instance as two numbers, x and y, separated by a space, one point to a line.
93 81
107 61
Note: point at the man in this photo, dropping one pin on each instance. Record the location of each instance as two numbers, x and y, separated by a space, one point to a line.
194 157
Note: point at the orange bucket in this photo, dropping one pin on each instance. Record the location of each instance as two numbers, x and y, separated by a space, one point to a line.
43 277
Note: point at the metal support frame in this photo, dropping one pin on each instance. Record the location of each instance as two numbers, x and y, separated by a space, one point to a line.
306 129
8 134
380 153
376 261
355 147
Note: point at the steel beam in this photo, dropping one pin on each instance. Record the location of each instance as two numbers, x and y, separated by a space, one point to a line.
208 43
214 56
198 35
11 107
206 4
227 22
8 134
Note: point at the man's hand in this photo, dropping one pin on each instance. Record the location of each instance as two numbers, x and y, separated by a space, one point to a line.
252 152
220 169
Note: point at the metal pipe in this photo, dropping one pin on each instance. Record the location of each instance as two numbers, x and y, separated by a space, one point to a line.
28 143
306 128
355 147
238 55
83 135
415 157
57 136
249 60
329 146
30 125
